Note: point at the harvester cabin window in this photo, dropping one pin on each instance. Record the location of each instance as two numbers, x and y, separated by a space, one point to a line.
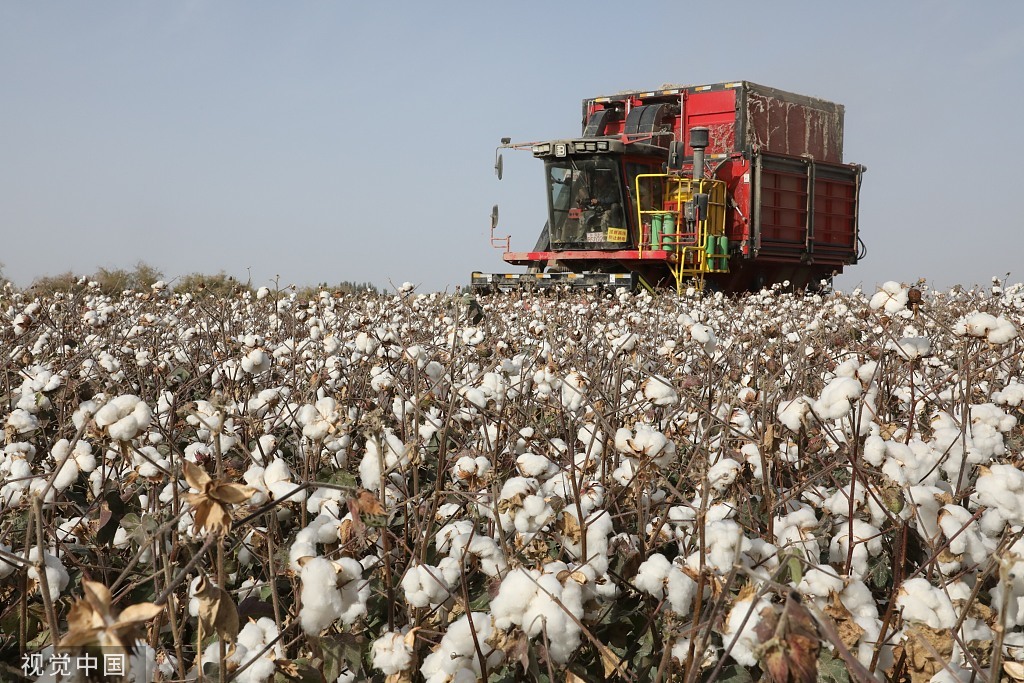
586 203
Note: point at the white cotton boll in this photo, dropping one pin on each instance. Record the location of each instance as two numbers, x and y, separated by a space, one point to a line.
867 543
623 344
1001 489
910 348
425 585
819 582
262 293
598 527
1010 589
277 471
647 441
67 475
488 552
892 297
987 326
874 450
455 659
83 455
318 419
652 576
702 334
924 603
837 398
958 525
626 472
6 567
574 388
752 456
20 421
514 595
722 474
536 466
321 600
56 575
124 417
551 612
744 640
391 654
369 470
724 540
1011 395
681 590
304 544
659 391
533 515
256 361
797 530
791 413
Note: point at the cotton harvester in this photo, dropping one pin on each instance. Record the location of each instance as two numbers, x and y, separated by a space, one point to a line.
732 186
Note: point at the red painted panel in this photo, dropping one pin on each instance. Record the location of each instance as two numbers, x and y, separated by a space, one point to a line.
835 208
715 110
783 207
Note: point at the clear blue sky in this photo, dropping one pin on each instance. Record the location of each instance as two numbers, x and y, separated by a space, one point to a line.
329 141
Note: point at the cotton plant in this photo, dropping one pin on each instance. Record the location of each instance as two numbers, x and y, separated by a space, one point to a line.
455 658
993 329
332 591
427 585
385 456
739 631
546 603
273 482
891 298
392 652
668 581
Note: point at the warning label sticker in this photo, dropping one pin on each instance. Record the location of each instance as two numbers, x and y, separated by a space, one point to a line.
617 235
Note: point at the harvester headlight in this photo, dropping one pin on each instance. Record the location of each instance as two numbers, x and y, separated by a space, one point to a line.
542 149
560 149
602 146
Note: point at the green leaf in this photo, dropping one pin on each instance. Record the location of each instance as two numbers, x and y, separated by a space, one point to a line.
880 571
298 671
734 673
343 652
339 478
796 570
831 669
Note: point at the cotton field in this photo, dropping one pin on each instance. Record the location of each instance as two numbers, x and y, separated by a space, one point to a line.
570 486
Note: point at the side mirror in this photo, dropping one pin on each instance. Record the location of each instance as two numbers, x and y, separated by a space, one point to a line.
499 165
494 217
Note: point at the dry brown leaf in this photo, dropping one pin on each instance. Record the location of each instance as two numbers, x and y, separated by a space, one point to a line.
789 643
217 611
1014 670
849 630
211 506
570 527
369 504
927 650
613 664
91 620
768 440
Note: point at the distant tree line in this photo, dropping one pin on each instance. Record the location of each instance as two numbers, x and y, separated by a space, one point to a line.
141 278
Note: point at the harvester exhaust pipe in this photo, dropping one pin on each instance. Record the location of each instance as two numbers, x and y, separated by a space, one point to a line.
699 139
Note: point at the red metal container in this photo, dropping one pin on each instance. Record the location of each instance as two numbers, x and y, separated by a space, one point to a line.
794 200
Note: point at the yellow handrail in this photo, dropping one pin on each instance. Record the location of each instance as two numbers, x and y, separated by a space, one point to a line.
707 251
